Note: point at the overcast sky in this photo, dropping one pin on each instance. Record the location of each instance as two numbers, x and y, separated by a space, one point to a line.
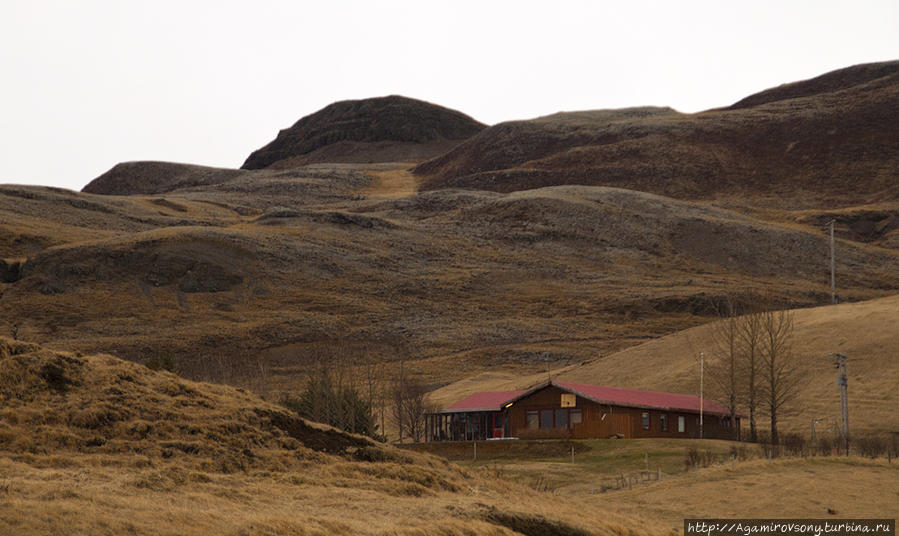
86 84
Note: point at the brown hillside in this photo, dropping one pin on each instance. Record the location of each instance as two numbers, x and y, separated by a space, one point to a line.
135 178
97 445
243 281
384 129
831 140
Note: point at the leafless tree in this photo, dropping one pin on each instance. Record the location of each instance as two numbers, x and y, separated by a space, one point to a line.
724 370
781 374
750 340
409 405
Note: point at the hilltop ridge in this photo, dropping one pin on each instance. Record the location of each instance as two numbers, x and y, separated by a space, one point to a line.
831 140
382 129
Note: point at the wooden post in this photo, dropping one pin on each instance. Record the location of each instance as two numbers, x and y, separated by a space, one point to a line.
475 443
572 453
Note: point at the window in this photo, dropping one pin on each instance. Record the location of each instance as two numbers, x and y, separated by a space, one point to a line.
562 418
681 423
533 419
664 421
646 420
575 417
546 418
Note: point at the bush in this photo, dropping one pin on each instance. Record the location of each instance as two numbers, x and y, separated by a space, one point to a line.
694 458
330 400
872 446
794 444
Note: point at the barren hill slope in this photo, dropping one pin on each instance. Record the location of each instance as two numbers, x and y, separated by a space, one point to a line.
834 140
244 276
383 129
97 445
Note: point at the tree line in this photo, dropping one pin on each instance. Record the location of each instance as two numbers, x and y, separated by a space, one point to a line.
753 364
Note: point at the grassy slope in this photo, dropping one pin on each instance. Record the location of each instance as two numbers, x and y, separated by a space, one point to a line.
96 445
749 486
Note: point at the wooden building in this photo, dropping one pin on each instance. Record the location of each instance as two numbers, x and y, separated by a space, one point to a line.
558 409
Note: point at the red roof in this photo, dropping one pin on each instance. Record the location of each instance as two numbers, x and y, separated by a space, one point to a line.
495 401
485 401
647 399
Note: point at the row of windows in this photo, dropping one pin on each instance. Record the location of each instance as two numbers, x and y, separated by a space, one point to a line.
554 418
568 417
663 422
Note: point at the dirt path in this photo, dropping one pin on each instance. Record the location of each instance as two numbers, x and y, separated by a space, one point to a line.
392 183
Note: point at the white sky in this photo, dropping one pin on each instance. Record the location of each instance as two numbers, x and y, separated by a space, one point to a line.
85 84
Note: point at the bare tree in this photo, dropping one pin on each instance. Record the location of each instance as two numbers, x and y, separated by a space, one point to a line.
725 368
409 405
750 339
781 375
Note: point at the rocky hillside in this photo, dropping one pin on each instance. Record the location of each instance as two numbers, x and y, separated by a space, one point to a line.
831 140
384 129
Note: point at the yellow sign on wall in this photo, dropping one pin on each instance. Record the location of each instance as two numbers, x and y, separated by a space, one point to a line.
568 400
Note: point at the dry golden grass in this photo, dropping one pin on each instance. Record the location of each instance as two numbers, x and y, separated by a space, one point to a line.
393 183
750 486
97 445
783 488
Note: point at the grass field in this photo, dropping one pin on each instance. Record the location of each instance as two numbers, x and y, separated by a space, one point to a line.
749 485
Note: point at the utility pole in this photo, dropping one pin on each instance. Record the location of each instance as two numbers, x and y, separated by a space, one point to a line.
833 286
701 375
843 382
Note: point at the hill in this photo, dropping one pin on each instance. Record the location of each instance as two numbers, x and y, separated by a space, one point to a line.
249 276
135 178
384 129
93 444
828 141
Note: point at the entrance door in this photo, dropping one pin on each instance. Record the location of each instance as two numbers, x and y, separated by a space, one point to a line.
498 424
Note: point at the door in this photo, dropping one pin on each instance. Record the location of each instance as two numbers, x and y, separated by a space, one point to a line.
498 424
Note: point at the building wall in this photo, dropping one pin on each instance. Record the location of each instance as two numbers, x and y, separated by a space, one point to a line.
603 421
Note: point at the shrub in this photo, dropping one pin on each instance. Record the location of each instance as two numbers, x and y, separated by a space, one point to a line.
694 458
871 446
330 400
793 444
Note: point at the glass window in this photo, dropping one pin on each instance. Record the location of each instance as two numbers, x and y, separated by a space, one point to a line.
664 420
533 420
681 423
646 420
546 418
576 416
562 418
